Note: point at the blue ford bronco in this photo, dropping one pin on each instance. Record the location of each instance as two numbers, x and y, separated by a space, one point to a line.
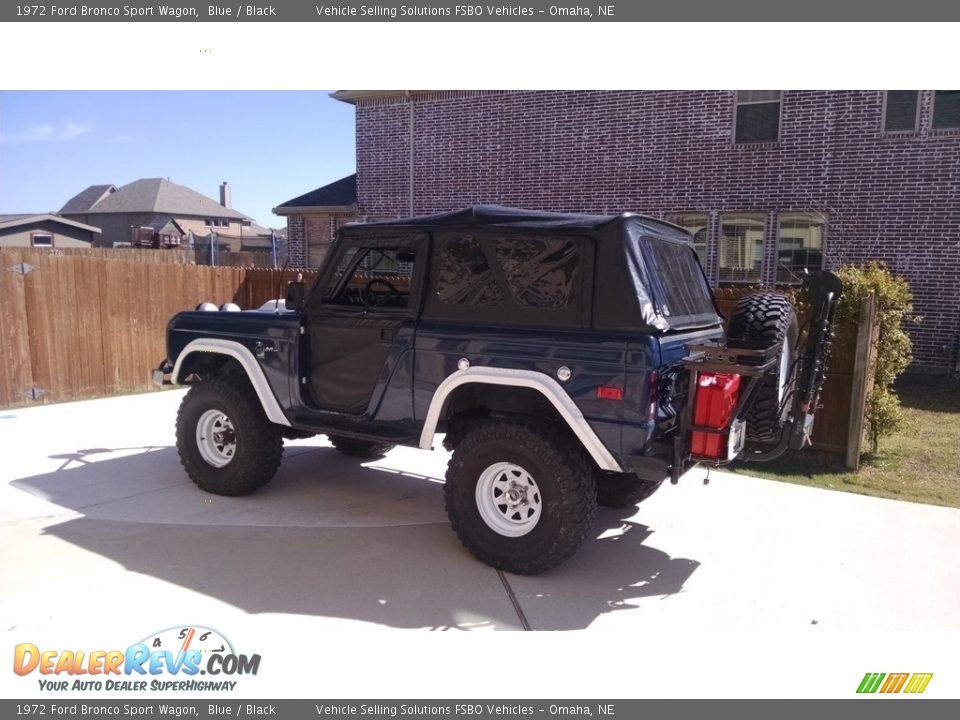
568 360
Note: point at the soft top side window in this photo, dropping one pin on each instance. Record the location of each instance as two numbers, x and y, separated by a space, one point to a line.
523 278
375 272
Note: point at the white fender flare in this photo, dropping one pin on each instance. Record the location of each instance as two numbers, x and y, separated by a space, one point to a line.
544 384
250 366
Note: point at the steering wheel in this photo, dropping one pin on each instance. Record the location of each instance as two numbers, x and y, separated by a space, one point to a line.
378 299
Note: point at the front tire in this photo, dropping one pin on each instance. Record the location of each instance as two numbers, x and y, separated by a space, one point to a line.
225 441
519 495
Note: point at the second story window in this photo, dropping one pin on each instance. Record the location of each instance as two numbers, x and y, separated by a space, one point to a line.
900 110
758 115
946 109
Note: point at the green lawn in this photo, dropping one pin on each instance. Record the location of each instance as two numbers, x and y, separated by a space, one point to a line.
920 463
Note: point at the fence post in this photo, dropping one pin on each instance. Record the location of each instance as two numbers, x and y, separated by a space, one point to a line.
866 351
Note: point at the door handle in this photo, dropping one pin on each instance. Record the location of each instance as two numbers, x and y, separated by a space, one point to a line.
386 334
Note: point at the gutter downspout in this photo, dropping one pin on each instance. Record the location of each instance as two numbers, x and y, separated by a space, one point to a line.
410 144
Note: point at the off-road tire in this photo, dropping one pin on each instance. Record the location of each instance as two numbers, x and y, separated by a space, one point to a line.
259 443
768 318
563 478
293 434
623 490
363 449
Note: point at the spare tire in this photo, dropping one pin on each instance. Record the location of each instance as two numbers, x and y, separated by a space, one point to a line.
768 318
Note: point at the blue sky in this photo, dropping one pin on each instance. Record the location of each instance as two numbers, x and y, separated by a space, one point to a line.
270 146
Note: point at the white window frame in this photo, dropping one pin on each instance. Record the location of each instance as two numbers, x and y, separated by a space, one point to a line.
933 114
883 115
736 112
814 218
765 224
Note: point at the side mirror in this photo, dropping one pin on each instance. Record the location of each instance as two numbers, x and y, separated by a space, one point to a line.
295 294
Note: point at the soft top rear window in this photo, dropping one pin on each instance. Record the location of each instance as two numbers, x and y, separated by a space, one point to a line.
683 291
671 290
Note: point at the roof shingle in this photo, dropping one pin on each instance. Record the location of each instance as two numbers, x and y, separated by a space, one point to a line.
159 195
340 193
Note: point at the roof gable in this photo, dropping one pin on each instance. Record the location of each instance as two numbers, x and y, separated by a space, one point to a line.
9 221
340 193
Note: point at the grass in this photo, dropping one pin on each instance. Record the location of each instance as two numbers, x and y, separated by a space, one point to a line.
919 463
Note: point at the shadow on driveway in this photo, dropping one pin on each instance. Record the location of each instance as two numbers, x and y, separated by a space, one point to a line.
329 537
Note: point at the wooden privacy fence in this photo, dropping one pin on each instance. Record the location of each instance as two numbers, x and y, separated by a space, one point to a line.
78 326
263 284
172 256
93 323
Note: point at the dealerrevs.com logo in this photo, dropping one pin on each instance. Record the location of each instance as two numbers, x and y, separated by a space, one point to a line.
172 659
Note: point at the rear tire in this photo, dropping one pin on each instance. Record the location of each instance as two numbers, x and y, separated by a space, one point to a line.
623 490
225 441
363 449
768 318
519 495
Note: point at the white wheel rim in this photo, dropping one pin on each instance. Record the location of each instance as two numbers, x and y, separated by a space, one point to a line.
216 439
508 499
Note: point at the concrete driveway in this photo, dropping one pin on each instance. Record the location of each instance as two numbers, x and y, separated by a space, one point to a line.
95 505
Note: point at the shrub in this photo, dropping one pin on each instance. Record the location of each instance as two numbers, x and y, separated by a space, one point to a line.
894 349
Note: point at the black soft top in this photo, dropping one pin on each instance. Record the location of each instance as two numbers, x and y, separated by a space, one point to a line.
507 217
647 273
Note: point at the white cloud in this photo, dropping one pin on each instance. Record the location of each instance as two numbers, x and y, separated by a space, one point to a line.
47 132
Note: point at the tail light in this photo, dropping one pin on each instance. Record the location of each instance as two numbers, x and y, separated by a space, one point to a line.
653 392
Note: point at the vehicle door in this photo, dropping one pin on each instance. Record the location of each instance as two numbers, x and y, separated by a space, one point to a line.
363 321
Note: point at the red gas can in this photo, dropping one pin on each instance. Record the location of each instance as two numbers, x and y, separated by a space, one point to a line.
713 407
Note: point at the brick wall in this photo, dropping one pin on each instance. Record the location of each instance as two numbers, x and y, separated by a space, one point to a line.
309 236
296 241
894 197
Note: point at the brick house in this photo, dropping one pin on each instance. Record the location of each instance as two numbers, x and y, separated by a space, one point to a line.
313 219
154 212
769 182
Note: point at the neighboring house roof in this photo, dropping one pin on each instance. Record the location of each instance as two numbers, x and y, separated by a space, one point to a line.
159 195
338 195
255 229
257 242
9 221
247 231
166 226
85 200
